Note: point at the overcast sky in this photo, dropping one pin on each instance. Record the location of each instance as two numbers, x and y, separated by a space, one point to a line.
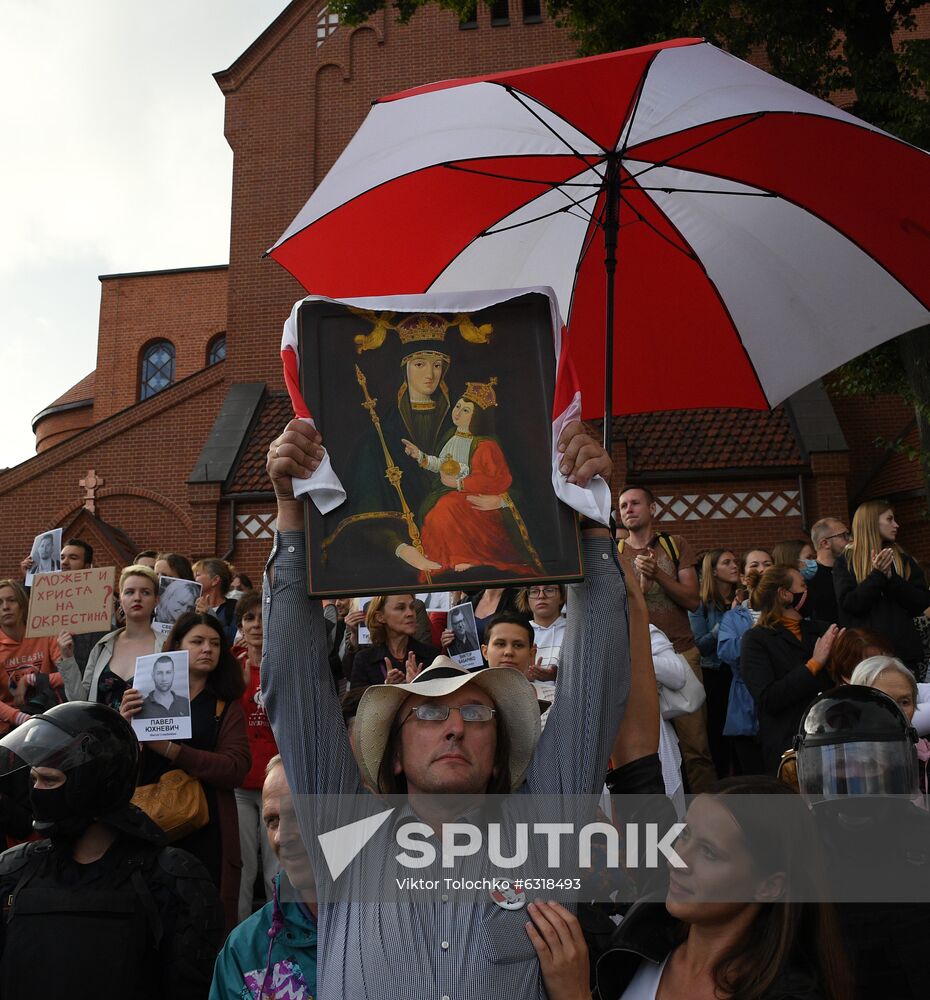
113 160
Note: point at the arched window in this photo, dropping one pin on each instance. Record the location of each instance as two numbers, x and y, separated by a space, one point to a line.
157 368
217 349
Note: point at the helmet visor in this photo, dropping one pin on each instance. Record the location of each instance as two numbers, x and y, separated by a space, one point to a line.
38 743
887 767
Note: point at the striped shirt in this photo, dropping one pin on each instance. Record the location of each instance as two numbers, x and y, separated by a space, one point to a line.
454 946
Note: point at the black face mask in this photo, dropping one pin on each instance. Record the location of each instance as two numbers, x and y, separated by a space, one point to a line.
54 816
798 598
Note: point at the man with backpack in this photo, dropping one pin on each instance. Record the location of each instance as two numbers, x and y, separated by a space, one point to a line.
101 908
665 567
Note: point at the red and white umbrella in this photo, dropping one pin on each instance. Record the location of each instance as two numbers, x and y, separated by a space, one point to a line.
764 236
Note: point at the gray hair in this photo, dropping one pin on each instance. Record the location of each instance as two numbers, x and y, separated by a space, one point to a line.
273 763
870 669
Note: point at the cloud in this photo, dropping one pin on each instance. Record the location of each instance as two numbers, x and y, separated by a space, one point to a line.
115 160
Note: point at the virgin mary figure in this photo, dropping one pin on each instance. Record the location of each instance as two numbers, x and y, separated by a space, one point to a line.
469 519
371 527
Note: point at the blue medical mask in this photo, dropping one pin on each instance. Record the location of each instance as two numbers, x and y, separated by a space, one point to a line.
809 569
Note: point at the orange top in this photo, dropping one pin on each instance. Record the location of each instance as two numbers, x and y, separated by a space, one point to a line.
37 655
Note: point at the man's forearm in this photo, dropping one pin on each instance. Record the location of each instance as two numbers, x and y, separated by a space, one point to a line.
290 515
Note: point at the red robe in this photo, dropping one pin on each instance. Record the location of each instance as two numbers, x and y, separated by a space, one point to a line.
456 532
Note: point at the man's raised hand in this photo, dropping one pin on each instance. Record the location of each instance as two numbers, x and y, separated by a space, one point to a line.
582 457
297 452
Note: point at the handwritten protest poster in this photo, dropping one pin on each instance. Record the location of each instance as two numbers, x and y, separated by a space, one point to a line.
76 601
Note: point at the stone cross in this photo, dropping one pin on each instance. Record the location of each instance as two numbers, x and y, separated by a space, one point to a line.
90 483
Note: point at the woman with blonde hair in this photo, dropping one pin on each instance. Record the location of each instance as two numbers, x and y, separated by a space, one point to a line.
878 585
112 662
782 658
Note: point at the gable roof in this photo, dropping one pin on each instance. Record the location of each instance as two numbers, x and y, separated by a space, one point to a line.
249 475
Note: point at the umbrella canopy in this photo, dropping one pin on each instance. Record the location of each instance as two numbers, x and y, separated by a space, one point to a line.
763 236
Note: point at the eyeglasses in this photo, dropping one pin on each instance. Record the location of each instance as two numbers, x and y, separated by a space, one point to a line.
845 535
430 712
542 591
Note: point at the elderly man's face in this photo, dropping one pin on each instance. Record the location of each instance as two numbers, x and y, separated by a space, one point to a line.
449 756
283 833
45 546
163 675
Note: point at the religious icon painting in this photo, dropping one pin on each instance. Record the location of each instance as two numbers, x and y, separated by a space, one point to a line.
439 428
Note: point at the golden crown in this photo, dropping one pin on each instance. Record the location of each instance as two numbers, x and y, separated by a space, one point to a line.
481 393
422 326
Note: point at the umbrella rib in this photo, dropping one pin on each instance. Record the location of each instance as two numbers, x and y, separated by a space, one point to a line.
553 185
621 143
704 142
556 211
690 254
517 96
684 190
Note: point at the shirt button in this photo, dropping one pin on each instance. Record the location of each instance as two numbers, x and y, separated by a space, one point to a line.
290 548
604 555
445 998
268 600
445 945
444 897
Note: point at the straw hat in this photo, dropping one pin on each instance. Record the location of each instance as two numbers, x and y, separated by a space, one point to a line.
513 695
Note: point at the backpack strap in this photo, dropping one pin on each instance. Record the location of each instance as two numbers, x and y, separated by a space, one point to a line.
146 899
664 539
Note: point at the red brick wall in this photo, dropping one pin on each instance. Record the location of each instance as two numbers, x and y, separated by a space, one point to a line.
291 110
144 456
188 308
58 427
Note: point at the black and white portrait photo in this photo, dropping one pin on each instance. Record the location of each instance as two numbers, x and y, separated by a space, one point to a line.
163 681
45 554
465 648
364 636
175 598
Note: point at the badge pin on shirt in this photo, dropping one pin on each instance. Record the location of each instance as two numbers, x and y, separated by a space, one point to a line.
509 896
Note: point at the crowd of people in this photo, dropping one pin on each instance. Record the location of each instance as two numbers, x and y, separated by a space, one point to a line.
666 671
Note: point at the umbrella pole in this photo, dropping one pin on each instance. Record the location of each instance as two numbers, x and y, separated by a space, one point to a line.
611 229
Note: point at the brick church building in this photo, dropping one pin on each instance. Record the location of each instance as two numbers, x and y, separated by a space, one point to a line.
162 445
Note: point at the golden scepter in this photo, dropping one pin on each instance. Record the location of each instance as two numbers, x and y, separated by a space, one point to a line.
392 473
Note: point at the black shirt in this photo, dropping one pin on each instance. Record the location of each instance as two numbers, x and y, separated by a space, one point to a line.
821 596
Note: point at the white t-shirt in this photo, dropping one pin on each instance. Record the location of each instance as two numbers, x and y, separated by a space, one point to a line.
548 641
645 984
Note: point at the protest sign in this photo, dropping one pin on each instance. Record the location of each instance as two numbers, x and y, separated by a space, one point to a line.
164 682
364 636
76 601
45 554
175 598
465 648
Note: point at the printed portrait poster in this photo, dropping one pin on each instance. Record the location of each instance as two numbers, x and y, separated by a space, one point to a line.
175 598
465 648
364 636
439 429
46 554
164 683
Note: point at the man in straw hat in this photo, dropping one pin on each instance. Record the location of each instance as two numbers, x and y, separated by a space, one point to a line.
447 731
